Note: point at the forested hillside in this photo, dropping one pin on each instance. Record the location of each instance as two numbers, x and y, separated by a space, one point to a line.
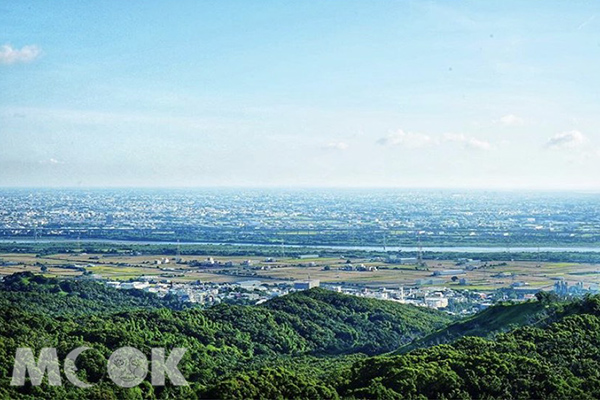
50 296
499 318
559 361
312 344
221 341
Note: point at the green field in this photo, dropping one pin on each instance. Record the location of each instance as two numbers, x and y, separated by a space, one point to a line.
488 277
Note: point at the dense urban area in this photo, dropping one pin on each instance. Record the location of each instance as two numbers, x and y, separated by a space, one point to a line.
384 218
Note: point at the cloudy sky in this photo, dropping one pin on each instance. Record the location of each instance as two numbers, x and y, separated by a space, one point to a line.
461 94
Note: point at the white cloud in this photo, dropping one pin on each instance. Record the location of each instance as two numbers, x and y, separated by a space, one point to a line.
417 140
407 139
51 161
468 142
511 120
337 146
10 55
566 140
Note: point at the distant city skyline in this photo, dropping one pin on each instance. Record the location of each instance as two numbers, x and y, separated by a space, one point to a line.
414 94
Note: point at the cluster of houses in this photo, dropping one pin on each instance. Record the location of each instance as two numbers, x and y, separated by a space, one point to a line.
432 297
256 292
201 293
360 268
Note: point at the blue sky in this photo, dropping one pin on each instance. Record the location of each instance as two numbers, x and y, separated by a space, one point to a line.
454 94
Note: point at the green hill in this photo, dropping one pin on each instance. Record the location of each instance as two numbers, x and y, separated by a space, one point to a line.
310 345
51 296
560 360
492 321
221 341
338 323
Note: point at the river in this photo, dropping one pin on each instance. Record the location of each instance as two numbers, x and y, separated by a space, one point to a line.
434 249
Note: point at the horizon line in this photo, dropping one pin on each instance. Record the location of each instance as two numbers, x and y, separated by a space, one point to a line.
282 187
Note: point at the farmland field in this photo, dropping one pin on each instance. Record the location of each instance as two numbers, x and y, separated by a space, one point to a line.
485 276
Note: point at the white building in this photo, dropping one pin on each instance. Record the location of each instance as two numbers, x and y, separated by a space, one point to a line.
437 300
305 285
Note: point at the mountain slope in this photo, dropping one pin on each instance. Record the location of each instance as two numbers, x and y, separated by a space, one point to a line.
220 341
341 323
51 296
492 321
558 361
